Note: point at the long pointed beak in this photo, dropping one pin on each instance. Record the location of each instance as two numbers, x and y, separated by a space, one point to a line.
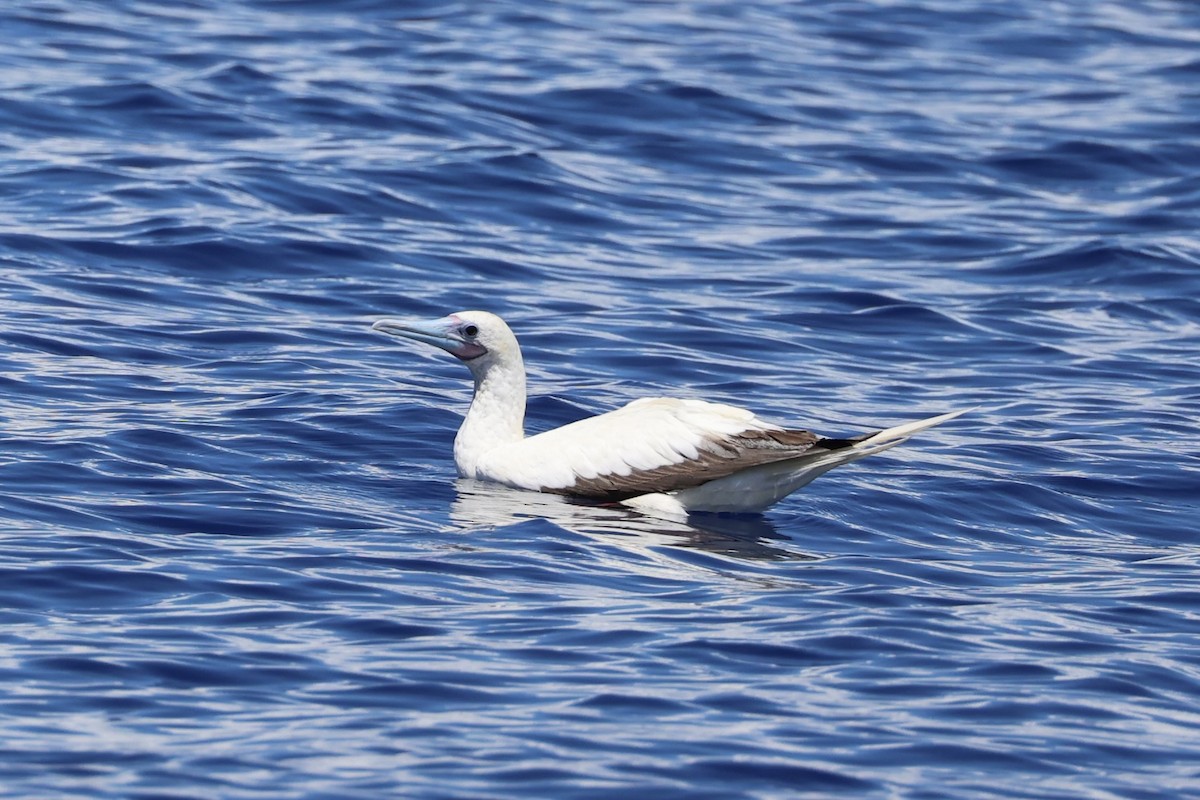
441 333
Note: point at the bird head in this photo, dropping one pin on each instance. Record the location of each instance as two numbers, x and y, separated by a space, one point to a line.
474 337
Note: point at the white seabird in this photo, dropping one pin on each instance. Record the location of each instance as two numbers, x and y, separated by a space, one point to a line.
660 455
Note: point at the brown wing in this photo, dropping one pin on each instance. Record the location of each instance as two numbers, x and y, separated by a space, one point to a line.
717 458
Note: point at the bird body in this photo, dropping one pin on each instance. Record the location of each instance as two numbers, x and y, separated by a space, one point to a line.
663 456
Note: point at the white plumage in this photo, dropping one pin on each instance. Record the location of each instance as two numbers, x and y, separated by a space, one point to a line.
660 455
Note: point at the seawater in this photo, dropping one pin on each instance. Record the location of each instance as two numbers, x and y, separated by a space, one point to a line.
234 557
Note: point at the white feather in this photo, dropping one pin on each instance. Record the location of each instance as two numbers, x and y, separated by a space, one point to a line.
644 435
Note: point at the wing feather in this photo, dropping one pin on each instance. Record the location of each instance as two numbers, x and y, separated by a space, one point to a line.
649 445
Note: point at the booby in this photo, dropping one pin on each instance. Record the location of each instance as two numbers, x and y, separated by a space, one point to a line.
661 455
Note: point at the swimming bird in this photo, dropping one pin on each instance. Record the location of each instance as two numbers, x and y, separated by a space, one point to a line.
663 456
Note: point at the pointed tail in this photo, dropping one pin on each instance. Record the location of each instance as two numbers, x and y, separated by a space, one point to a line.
891 437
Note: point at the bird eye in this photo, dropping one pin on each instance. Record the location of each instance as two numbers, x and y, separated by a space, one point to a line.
471 330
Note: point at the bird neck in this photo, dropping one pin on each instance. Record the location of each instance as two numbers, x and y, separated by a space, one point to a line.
496 416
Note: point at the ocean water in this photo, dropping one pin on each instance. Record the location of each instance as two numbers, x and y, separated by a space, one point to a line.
235 560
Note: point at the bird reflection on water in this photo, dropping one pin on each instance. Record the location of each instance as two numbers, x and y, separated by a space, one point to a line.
483 504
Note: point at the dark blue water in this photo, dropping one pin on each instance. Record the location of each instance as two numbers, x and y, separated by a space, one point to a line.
234 558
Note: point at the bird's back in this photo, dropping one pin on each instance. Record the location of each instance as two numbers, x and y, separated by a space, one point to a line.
649 445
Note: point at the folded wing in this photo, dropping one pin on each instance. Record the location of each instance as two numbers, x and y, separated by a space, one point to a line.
650 445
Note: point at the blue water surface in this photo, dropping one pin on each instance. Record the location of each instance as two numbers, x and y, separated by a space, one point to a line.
235 560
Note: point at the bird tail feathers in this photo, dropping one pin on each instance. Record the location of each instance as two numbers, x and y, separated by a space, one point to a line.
891 437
